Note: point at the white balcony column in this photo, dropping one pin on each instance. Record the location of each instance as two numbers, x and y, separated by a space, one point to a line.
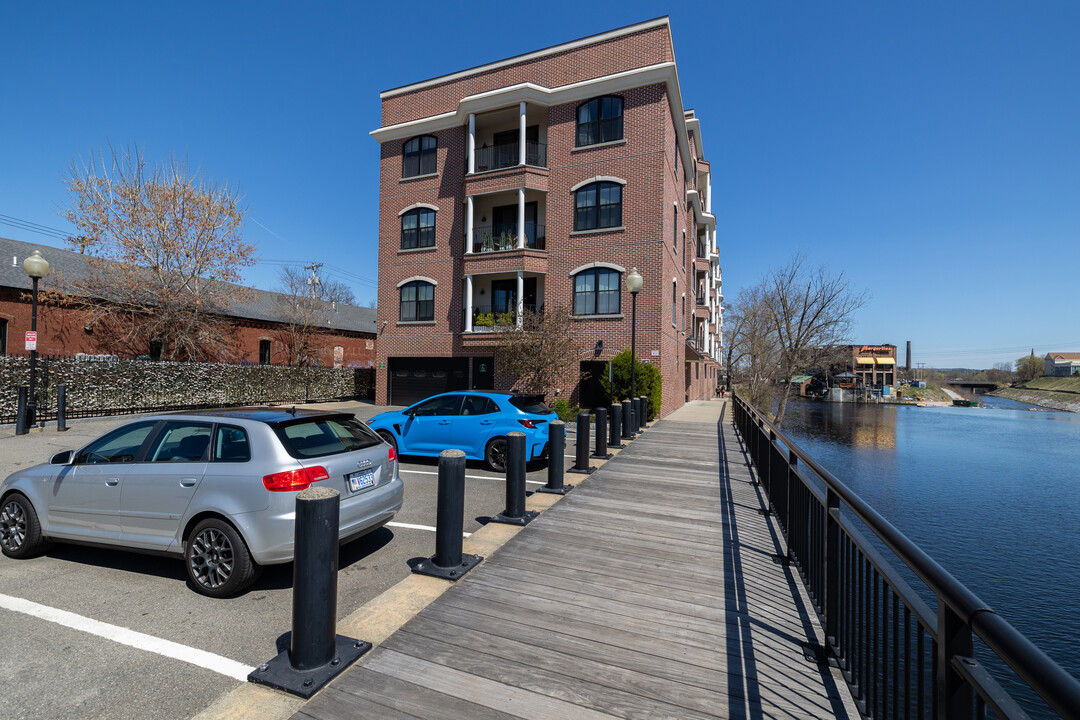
521 133
468 224
520 297
472 143
468 303
521 218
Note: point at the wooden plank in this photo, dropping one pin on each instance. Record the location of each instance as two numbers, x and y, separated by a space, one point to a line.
468 683
333 704
384 691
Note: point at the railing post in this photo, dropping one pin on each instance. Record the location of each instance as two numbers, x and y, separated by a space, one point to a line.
832 566
793 477
616 426
556 459
581 465
515 513
601 435
316 652
449 562
954 697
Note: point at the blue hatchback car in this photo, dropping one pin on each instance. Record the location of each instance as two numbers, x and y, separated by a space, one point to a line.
475 422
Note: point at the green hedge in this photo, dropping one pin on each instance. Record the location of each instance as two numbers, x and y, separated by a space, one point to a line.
107 387
647 380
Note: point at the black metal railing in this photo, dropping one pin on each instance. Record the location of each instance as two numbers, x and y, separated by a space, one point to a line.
504 155
488 318
505 237
901 657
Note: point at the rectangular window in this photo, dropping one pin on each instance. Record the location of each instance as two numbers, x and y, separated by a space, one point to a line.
3 336
264 352
417 302
585 294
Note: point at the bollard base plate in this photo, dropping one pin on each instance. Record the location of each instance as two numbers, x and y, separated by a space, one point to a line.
555 491
617 446
523 520
586 471
281 675
427 566
605 456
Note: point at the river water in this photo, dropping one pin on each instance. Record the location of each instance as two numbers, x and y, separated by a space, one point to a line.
993 494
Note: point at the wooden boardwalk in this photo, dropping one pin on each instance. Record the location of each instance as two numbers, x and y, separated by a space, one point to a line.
648 592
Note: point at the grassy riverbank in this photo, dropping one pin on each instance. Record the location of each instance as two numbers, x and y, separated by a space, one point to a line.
1056 393
930 393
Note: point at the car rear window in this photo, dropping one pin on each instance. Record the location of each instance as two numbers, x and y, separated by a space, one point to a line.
526 403
325 436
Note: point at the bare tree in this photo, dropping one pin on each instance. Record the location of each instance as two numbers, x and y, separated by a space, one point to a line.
305 309
752 345
810 311
543 351
162 243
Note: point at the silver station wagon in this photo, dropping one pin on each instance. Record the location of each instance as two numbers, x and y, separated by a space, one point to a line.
216 487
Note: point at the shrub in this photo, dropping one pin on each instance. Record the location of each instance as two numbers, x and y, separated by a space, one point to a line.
647 379
567 413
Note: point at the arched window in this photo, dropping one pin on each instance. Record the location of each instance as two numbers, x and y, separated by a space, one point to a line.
418 229
596 292
417 302
600 120
418 156
598 205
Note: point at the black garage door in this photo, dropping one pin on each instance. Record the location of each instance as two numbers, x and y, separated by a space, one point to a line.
413 379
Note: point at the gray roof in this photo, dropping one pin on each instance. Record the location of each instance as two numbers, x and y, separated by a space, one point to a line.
260 305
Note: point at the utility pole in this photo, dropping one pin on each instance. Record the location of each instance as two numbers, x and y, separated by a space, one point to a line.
314 281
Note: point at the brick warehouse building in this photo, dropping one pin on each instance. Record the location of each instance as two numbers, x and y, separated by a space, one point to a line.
540 181
347 340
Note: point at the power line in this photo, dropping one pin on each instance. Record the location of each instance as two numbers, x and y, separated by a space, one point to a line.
33 227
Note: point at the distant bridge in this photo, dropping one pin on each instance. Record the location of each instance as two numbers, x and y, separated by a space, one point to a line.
979 387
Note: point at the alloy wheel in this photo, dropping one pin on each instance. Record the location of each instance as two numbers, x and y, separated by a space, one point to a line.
496 455
211 558
12 526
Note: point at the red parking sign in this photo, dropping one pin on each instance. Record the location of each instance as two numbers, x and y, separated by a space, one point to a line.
31 340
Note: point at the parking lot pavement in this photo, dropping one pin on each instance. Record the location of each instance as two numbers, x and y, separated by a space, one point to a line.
51 669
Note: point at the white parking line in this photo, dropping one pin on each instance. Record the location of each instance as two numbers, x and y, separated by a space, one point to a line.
410 526
473 477
199 658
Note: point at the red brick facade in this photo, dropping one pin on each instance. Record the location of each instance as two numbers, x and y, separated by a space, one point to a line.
659 228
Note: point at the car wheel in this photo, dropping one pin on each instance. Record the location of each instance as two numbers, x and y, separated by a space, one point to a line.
20 531
388 439
495 455
217 559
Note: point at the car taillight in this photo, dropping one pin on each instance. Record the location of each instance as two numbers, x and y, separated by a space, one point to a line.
528 423
391 456
293 480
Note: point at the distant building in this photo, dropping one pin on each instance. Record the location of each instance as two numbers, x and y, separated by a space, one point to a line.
1062 364
348 335
872 365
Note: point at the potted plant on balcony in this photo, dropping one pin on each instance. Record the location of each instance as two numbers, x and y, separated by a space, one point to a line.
507 241
485 320
487 242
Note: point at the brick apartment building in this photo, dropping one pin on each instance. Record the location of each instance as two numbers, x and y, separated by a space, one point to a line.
348 338
540 181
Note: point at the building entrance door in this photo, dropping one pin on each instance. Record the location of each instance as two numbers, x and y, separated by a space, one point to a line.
483 373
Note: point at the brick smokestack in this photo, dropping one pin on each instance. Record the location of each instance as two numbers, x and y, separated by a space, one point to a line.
907 361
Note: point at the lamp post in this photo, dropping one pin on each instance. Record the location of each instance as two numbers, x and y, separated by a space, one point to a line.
634 282
36 267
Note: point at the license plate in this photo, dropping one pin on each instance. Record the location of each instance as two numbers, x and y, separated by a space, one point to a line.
361 480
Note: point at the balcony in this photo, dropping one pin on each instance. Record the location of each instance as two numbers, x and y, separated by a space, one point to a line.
492 319
506 155
505 237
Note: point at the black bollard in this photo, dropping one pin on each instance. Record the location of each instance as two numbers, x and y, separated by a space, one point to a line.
581 466
556 459
20 413
643 412
61 408
448 562
635 408
628 421
601 435
316 652
616 426
515 513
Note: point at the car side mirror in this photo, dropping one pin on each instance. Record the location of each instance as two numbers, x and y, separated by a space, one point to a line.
410 412
62 458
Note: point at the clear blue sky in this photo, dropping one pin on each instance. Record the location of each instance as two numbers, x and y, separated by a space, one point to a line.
930 151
